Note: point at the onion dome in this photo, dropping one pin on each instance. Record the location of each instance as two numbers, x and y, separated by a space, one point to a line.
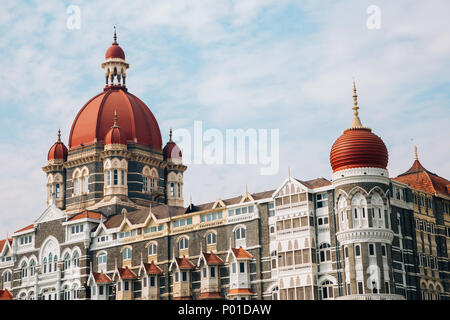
171 151
114 135
358 147
58 151
115 51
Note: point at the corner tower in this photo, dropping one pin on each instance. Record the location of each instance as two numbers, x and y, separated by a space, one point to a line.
360 177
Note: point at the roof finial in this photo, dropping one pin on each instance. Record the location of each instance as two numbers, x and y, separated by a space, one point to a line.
356 121
59 135
170 135
115 36
190 202
416 157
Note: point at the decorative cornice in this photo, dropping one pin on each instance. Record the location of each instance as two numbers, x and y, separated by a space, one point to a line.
365 235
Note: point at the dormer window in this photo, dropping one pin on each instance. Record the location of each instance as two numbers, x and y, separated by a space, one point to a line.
211 238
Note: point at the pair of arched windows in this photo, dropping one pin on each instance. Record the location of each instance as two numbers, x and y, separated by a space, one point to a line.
149 180
115 177
211 238
81 181
26 270
152 249
71 261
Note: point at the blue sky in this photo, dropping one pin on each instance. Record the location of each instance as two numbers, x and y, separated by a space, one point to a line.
232 64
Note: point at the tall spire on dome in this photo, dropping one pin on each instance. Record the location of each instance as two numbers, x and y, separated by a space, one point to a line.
115 37
59 135
115 125
416 157
356 123
170 135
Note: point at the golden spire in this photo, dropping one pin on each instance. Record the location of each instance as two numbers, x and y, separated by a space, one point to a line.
356 123
115 36
416 157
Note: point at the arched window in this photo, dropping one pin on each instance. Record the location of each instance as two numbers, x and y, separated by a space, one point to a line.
126 254
108 178
23 270
183 243
76 259
172 190
7 276
77 186
359 209
55 263
102 258
32 268
327 290
377 211
211 238
179 190
50 262
66 261
122 177
75 291
115 177
325 252
273 257
152 249
66 293
58 191
85 184
44 265
239 234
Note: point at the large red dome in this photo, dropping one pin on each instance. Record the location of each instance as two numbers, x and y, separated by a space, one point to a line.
137 122
358 147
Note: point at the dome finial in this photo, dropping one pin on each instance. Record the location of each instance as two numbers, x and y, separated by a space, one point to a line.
416 157
356 121
170 135
115 36
59 135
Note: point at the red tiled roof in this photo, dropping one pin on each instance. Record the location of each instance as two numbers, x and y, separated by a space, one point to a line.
420 178
87 214
5 295
3 242
241 253
210 295
212 259
126 273
101 277
31 226
240 291
152 268
184 263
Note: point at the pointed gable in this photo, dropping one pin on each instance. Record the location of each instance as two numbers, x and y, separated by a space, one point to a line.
184 263
101 277
5 295
211 259
126 273
420 178
152 269
241 253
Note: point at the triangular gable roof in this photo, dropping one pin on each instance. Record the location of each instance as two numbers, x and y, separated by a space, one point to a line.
182 263
239 254
420 178
100 277
286 181
151 268
218 203
5 244
246 197
125 273
51 213
210 259
5 295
